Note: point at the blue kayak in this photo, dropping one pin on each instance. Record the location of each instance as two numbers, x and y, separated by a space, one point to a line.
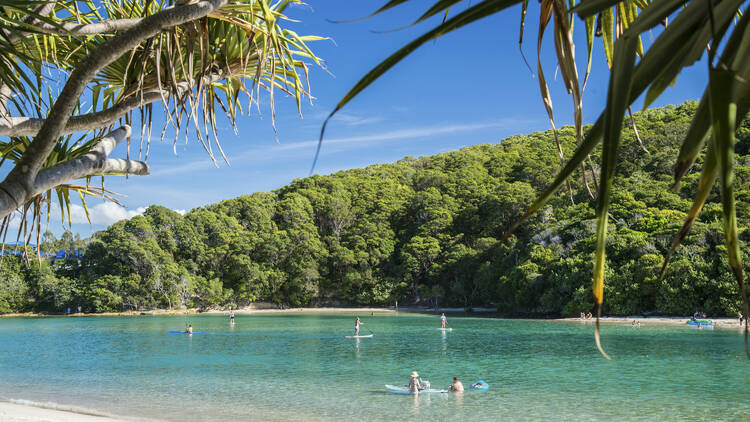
703 322
184 332
479 385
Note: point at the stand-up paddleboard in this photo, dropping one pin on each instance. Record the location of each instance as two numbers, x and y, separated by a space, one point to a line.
184 332
445 329
367 336
479 385
405 390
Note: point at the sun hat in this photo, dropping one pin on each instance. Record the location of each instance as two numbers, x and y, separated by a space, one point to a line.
414 374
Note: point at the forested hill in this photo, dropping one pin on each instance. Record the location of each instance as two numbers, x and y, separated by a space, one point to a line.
419 231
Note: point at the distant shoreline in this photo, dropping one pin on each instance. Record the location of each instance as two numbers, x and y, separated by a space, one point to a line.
720 322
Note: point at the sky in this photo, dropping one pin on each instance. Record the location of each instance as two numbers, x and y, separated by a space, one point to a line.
469 87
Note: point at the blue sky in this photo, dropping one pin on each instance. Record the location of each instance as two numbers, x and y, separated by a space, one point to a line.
469 87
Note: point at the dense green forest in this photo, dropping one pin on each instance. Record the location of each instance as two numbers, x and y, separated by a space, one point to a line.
422 230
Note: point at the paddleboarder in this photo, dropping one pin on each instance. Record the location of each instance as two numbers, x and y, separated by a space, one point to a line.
414 384
357 323
443 320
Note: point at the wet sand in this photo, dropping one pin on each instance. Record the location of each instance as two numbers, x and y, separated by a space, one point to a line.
14 412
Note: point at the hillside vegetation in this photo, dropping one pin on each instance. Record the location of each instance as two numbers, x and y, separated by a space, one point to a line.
422 230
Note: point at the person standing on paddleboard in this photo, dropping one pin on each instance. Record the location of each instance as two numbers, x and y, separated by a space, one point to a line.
443 320
357 323
414 384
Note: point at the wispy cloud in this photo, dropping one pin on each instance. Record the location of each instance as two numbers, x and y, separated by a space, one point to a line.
342 143
348 119
398 134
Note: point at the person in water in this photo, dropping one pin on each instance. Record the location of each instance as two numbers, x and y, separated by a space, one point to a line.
443 320
357 323
456 386
231 316
414 384
189 329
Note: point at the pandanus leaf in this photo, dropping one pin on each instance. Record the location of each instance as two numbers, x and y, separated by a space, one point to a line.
618 100
608 35
722 83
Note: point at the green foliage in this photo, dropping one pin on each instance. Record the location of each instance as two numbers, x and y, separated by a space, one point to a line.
420 231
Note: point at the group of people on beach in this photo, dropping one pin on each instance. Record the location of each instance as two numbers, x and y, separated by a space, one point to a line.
586 316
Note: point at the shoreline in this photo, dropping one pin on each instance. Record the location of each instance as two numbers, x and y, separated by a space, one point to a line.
24 411
719 322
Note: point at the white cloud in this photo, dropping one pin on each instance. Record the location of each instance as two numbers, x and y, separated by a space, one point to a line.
104 213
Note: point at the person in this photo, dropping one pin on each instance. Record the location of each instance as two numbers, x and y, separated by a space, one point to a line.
633 324
583 316
443 320
189 329
456 386
739 318
68 310
231 316
357 323
589 316
79 309
414 384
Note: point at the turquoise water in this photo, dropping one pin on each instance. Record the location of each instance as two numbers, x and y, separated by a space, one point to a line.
293 367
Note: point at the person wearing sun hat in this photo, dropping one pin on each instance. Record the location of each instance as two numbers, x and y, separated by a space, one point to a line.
414 384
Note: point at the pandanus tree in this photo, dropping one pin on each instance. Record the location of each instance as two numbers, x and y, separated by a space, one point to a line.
76 75
690 30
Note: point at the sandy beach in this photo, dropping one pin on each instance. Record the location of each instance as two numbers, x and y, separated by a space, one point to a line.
722 323
15 412
267 308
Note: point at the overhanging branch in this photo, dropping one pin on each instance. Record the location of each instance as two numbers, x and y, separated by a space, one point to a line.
94 163
78 29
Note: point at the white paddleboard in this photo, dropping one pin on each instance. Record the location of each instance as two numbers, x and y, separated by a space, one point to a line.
367 336
445 329
405 390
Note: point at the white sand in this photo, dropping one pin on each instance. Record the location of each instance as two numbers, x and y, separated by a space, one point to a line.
12 412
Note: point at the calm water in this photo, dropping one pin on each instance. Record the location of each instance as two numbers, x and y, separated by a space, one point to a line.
292 367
